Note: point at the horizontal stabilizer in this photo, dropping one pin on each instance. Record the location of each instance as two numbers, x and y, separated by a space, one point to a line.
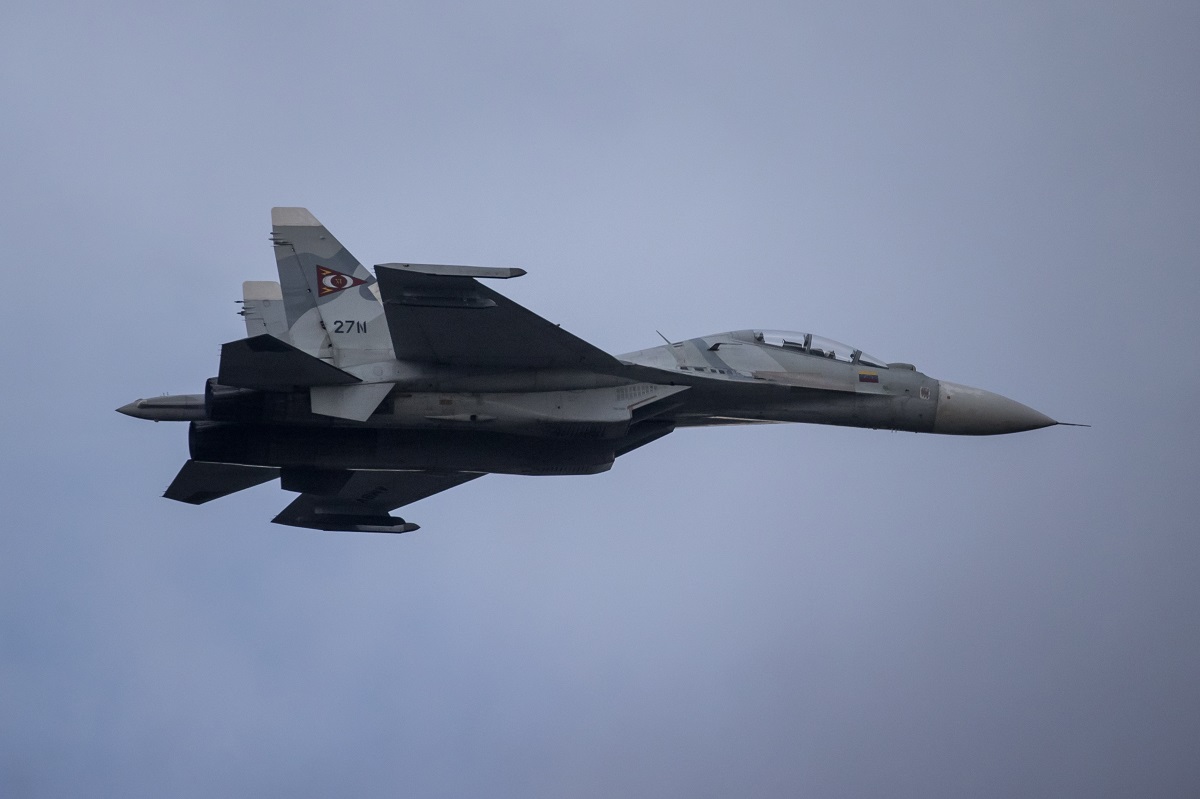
356 402
201 481
265 362
444 315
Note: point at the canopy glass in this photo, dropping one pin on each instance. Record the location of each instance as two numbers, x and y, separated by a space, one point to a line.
817 346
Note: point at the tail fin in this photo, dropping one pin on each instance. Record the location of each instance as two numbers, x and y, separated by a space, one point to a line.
262 308
325 288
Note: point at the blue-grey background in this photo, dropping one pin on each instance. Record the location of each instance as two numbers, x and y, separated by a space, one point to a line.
1005 193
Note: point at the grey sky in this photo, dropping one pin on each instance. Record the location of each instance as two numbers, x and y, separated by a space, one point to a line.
1006 194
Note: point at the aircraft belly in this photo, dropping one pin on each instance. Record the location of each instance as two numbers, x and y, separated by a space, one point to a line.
405 449
600 412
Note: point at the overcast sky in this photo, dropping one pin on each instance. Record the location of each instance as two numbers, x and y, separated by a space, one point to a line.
1005 194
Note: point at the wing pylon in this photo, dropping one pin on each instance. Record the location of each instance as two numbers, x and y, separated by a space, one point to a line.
360 500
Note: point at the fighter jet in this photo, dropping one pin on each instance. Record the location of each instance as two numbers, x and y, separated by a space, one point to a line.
367 392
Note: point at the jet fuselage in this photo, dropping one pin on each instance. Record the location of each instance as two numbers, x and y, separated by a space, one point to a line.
367 392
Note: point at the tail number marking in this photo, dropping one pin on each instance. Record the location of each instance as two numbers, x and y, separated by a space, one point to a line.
349 326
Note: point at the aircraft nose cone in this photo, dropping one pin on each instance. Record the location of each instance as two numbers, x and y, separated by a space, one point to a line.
132 409
967 411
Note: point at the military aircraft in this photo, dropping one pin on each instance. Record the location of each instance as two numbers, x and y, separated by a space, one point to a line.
364 393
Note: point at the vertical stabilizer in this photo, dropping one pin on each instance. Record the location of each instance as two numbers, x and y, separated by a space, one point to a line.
262 308
326 289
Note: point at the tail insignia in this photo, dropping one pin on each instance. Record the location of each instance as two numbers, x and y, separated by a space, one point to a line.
331 282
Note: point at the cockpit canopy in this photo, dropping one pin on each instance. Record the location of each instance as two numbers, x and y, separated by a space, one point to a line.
818 346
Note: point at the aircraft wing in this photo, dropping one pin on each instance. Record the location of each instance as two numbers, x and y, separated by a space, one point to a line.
442 314
359 500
